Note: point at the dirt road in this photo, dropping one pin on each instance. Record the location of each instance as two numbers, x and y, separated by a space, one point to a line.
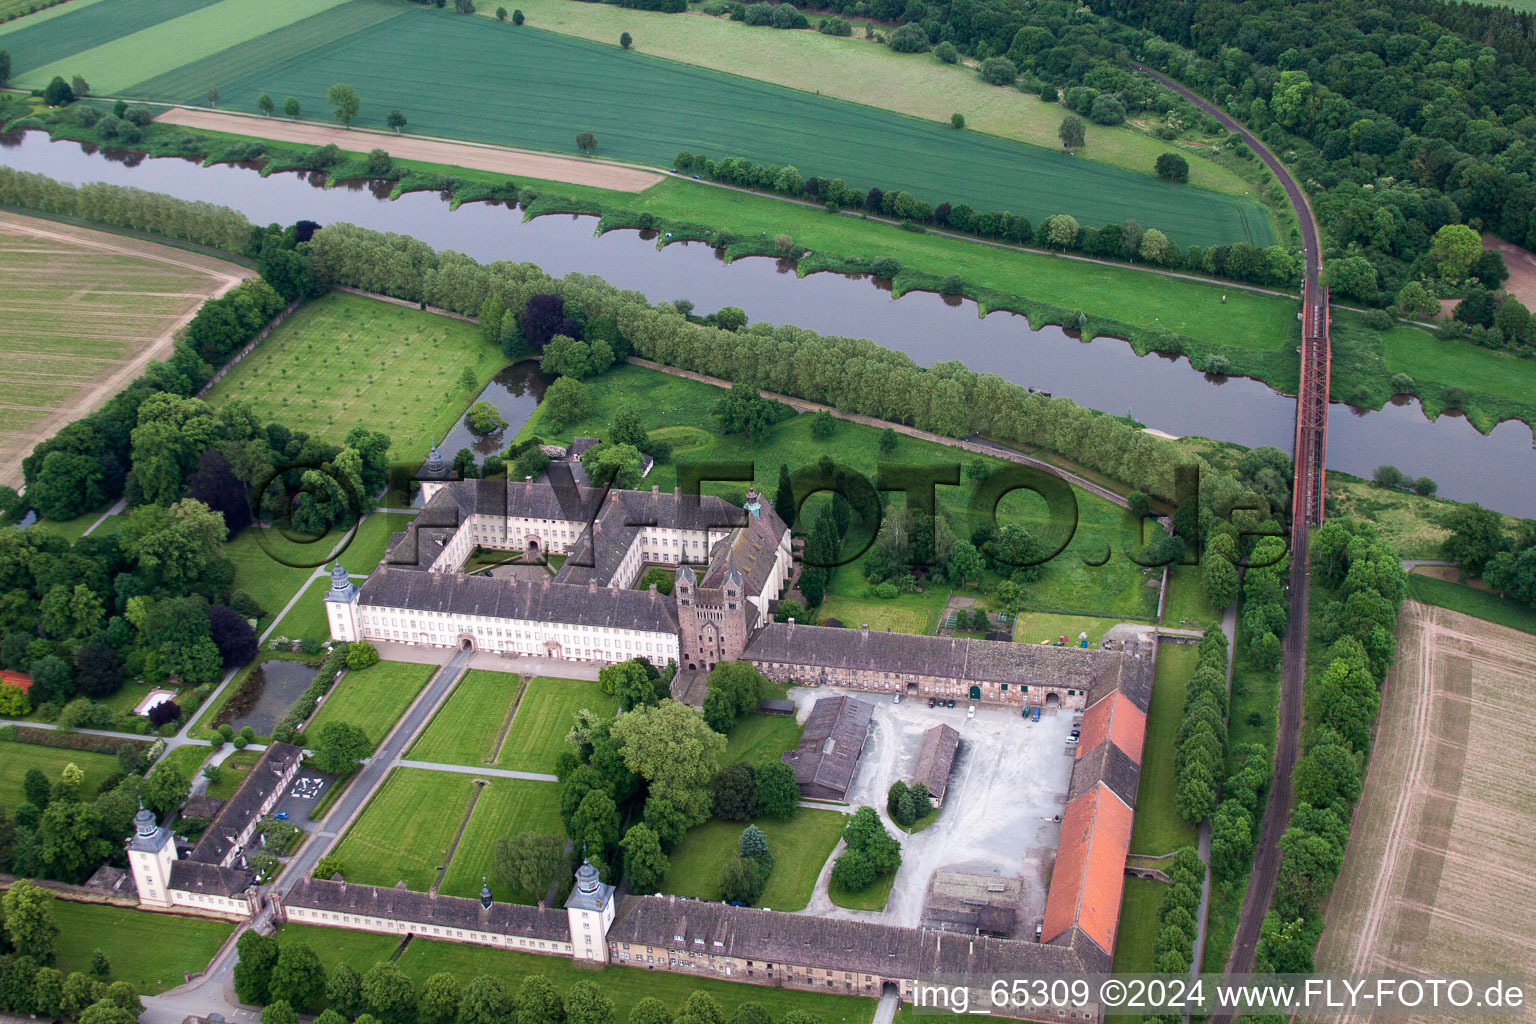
473 155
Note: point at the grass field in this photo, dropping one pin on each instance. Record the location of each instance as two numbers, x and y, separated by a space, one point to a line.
1158 828
270 568
863 71
759 738
1482 604
306 619
904 613
800 847
69 28
1417 352
149 951
1117 588
872 898
188 758
233 770
466 728
373 698
544 715
1436 872
1033 627
82 314
1136 935
163 43
406 830
506 807
16 758
624 985
343 360
646 110
1186 606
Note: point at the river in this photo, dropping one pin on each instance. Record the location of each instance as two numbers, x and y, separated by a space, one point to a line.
1498 470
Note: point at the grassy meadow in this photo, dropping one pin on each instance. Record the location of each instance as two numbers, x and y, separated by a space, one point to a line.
1158 828
344 360
506 807
406 830
149 951
16 758
1484 604
469 724
372 698
544 716
800 847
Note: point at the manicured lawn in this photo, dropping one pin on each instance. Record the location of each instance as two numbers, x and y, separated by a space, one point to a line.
863 71
624 985
466 728
148 950
1137 932
272 569
367 547
1119 587
1033 627
1158 828
544 716
188 758
759 738
507 807
344 360
232 772
1187 607
872 898
1483 604
904 613
16 758
373 698
307 618
405 831
800 847
644 109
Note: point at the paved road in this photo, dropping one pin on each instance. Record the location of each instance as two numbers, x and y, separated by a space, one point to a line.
463 769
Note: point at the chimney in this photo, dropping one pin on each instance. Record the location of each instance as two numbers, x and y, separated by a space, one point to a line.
677 492
541 906
864 629
527 481
544 580
791 625
655 488
654 591
591 586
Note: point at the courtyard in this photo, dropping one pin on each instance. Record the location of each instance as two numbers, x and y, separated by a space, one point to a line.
1006 789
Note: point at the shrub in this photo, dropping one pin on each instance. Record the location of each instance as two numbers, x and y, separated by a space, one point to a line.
957 121
835 26
886 267
909 38
1173 167
946 52
998 71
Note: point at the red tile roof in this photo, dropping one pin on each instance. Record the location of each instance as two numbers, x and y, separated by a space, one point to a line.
16 679
1089 876
1113 717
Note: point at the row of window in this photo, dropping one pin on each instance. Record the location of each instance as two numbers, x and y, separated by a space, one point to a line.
379 924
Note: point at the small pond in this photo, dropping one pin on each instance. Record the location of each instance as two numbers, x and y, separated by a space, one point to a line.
515 392
266 695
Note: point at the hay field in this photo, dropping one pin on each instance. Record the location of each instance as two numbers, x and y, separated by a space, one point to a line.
1437 876
519 86
82 313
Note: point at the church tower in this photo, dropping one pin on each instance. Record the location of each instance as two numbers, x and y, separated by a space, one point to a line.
590 909
151 851
341 605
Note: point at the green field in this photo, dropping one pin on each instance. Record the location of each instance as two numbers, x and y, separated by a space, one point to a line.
645 109
800 846
344 360
1158 827
163 43
1417 352
372 698
624 985
188 757
866 72
506 807
150 951
1033 627
1136 935
904 613
232 771
406 830
1186 606
759 738
1117 588
306 619
544 716
873 897
69 28
1483 604
270 568
468 726
16 758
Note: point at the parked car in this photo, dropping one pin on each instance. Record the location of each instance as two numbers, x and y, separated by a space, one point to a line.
1076 731
281 815
1034 716
896 699
932 702
950 703
970 712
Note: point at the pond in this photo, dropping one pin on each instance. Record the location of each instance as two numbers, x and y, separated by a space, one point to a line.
266 695
515 392
1165 393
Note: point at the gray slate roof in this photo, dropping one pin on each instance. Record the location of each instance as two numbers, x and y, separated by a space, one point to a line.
564 603
241 809
936 758
425 908
1108 764
209 879
829 748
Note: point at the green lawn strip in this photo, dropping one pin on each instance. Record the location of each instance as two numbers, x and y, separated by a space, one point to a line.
1186 606
368 545
232 772
800 846
1158 828
1067 584
626 986
271 568
1482 604
758 738
1136 935
70 529
189 758
467 726
307 618
863 71
150 951
545 714
372 698
405 831
1034 627
871 898
16 758
506 807
819 135
344 359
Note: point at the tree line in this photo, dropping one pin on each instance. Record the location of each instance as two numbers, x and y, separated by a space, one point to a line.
1201 748
30 983
1478 543
1364 584
125 207
1123 242
1177 917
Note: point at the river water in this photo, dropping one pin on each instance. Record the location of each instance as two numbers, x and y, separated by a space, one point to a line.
1498 470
